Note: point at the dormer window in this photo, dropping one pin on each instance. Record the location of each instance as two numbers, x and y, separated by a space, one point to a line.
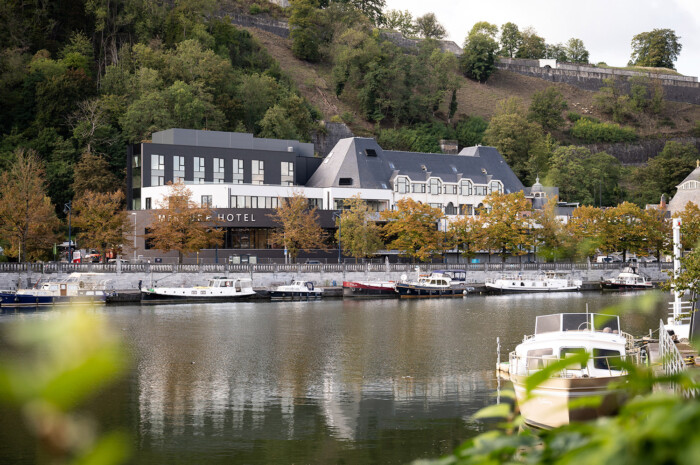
371 152
401 185
345 182
465 187
496 186
435 186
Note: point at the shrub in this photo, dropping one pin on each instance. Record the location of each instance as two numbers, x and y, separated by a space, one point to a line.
255 9
573 116
336 119
591 132
696 129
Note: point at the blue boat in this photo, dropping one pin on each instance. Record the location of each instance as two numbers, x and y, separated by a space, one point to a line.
78 288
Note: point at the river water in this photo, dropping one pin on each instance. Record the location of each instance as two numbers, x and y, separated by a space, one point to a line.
335 381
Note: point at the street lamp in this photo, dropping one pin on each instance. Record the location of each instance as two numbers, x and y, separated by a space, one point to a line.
339 215
68 208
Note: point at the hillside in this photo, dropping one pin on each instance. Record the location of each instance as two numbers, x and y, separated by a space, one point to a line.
474 99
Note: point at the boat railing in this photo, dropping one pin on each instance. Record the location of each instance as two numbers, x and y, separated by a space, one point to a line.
527 365
672 361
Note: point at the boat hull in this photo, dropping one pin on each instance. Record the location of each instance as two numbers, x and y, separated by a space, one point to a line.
295 295
154 297
414 291
490 287
553 401
360 290
606 286
12 300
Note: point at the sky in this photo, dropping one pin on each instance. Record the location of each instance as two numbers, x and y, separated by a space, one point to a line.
606 27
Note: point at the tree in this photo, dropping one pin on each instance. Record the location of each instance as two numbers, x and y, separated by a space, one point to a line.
467 234
551 237
478 60
412 229
27 218
506 223
657 231
401 21
298 226
181 224
428 27
690 226
587 225
510 39
584 177
659 49
624 230
546 108
532 46
304 30
361 236
576 51
371 8
93 174
556 52
513 135
102 220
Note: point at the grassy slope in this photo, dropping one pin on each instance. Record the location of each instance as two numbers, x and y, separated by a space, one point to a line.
474 99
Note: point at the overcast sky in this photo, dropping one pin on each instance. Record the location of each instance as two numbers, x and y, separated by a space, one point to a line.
605 26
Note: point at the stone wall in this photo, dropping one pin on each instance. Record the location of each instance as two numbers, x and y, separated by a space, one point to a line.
398 39
638 153
279 28
676 88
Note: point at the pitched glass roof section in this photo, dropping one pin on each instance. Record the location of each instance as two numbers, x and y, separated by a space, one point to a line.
480 164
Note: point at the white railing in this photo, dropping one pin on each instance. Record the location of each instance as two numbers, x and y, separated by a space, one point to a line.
595 367
672 360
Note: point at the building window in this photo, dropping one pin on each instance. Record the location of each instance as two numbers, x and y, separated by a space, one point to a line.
199 170
450 209
148 203
434 186
496 186
178 169
480 190
436 205
206 201
466 209
157 180
401 185
287 178
258 172
219 169
418 187
449 189
237 171
157 170
465 187
345 182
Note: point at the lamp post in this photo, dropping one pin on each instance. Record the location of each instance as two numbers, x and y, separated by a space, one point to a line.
134 215
339 215
68 208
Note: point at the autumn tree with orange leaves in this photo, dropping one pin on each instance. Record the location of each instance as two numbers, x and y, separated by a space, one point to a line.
587 225
299 228
412 229
507 223
102 221
181 224
28 221
690 225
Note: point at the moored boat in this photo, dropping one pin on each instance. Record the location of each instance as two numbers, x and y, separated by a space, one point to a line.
297 290
433 285
553 402
218 289
369 289
77 288
549 281
627 280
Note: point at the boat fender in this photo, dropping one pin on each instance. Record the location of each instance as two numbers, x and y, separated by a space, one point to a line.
81 284
16 299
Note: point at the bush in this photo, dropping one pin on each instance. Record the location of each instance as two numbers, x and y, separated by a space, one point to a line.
255 9
573 116
591 132
696 129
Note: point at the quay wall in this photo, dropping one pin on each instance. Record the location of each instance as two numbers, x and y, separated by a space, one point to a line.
321 275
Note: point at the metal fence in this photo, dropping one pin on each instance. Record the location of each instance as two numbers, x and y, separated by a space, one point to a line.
54 267
672 360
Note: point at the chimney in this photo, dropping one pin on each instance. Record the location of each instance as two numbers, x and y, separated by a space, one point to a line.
662 204
449 146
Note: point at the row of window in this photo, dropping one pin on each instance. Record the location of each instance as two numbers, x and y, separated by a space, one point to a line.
434 186
219 170
690 185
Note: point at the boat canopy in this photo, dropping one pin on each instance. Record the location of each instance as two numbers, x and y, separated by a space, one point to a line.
577 322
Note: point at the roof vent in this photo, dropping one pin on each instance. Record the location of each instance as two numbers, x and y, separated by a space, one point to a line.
371 152
483 170
423 167
290 149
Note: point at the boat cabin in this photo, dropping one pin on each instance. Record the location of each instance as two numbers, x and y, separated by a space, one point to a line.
454 275
435 280
222 281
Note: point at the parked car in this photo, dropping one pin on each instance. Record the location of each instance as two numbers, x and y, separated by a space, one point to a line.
116 260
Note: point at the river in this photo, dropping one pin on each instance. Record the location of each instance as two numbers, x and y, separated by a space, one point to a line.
336 381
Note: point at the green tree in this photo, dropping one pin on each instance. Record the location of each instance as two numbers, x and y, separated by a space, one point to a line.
506 223
576 51
401 21
298 226
412 229
361 236
478 60
556 52
624 230
546 108
370 8
659 49
93 174
510 39
584 177
304 30
428 27
587 225
551 236
532 46
612 99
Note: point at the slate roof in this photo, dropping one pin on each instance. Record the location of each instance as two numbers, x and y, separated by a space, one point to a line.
683 196
349 159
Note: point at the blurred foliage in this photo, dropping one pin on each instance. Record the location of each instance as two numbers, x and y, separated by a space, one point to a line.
590 132
49 369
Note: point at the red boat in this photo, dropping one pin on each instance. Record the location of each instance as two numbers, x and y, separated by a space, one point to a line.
369 289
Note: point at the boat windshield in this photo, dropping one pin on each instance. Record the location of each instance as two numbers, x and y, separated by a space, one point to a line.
577 322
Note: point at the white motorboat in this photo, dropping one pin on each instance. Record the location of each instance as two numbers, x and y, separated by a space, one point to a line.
549 281
77 288
628 280
297 290
436 284
557 337
218 289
